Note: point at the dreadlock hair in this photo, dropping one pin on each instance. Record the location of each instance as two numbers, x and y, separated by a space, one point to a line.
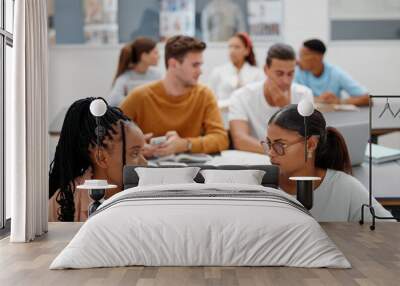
71 158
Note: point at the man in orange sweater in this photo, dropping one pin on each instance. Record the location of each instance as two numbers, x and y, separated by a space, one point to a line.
177 106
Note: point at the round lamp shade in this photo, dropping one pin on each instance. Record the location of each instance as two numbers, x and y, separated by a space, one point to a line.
305 178
98 107
305 107
96 184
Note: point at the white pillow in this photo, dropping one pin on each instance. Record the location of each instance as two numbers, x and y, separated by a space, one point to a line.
163 176
248 177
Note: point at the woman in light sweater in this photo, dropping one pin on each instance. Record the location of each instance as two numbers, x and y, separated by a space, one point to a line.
135 67
78 157
338 196
241 70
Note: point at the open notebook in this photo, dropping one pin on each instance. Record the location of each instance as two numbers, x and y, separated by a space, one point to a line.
182 158
381 154
323 107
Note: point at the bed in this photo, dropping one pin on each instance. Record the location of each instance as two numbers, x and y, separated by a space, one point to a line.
198 224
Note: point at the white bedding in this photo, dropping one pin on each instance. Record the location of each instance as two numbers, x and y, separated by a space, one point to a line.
184 230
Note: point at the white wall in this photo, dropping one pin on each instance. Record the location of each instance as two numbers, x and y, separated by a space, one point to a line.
81 71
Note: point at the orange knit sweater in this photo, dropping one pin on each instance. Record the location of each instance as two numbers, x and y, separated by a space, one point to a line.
194 115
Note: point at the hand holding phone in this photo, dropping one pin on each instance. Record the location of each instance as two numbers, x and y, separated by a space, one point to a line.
158 140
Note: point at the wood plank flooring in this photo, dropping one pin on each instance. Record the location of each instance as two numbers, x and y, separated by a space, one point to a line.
374 255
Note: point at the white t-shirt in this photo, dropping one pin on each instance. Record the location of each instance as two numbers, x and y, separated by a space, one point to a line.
225 79
340 197
249 104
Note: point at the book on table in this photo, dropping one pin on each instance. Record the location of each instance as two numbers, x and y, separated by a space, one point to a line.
381 154
183 158
325 107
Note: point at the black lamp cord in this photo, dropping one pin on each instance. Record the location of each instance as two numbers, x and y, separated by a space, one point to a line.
97 131
123 146
305 135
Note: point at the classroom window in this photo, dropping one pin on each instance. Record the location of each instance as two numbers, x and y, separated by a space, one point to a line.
120 21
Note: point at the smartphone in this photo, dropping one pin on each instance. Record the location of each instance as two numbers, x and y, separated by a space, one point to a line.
158 140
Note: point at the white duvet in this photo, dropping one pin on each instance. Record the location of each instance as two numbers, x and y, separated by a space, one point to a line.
207 230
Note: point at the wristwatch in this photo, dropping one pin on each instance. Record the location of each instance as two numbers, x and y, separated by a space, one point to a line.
189 145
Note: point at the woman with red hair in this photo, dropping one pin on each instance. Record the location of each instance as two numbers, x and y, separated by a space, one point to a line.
241 70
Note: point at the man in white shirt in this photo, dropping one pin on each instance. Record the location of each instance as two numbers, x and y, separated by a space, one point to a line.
253 105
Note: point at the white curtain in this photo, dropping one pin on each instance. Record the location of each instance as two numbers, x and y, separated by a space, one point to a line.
26 123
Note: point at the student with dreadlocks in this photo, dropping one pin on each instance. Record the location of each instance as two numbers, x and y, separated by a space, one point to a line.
78 158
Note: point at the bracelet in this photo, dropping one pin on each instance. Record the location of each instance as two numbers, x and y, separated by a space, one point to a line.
189 145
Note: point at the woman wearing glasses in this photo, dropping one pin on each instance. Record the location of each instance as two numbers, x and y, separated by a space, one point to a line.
338 196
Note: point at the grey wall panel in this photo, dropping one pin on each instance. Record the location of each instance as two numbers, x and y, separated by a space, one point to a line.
365 30
68 21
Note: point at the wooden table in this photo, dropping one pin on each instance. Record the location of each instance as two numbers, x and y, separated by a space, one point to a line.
374 255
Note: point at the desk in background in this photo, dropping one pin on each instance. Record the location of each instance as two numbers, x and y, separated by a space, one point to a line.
335 118
382 126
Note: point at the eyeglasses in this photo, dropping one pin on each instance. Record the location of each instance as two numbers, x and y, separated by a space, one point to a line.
278 147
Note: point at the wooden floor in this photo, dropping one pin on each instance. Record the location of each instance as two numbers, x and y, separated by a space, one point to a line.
374 255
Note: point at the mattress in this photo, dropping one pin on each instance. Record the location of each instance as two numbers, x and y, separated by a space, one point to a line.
201 225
